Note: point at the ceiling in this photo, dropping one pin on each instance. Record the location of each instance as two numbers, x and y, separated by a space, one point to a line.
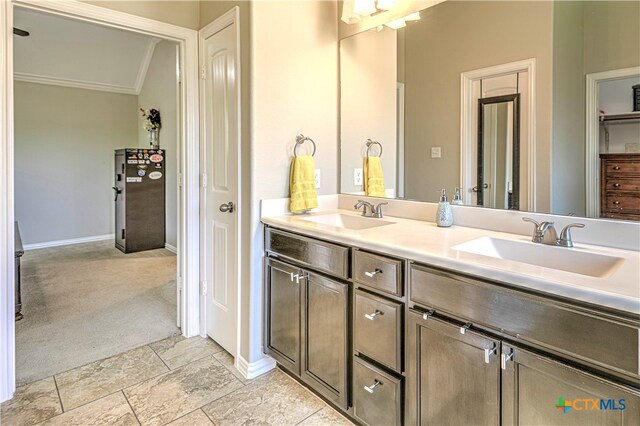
68 52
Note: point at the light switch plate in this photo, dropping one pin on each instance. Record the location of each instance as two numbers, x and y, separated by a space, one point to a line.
357 177
436 152
317 178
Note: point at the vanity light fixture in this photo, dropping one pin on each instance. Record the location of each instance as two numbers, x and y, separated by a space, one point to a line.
396 24
386 4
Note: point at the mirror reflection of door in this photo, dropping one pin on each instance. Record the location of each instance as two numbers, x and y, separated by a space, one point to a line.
498 171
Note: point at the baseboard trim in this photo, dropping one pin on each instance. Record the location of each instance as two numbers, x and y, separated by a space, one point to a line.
72 241
171 248
257 368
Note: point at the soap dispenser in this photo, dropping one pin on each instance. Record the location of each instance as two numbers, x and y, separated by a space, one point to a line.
444 215
457 199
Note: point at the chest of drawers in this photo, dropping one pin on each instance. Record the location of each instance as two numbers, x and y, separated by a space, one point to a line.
620 186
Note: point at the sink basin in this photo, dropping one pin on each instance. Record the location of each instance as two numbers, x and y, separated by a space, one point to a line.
338 220
559 258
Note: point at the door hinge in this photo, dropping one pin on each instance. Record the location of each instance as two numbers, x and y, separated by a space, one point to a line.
203 180
180 284
180 180
203 72
203 288
123 234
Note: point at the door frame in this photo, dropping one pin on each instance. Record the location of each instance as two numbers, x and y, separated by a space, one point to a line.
592 133
468 132
188 229
232 17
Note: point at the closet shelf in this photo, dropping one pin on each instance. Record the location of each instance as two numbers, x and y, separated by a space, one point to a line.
627 116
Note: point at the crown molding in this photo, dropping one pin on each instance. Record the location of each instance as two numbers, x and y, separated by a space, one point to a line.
77 84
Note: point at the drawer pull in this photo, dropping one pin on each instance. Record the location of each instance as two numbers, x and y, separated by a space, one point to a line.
616 185
616 202
371 389
299 277
616 167
373 315
464 328
504 358
488 352
426 315
374 273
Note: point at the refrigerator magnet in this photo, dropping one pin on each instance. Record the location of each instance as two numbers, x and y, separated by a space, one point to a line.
156 158
134 179
155 175
141 173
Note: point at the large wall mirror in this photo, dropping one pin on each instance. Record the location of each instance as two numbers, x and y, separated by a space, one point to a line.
505 100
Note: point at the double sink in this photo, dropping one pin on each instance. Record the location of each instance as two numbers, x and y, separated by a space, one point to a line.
572 260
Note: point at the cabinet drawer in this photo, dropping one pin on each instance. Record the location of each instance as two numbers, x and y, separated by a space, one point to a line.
378 329
606 341
614 168
316 254
378 272
614 184
617 202
377 396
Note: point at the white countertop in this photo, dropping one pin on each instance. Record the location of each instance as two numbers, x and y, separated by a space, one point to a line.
425 242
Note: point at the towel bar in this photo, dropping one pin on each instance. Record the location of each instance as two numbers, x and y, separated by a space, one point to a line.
300 139
370 144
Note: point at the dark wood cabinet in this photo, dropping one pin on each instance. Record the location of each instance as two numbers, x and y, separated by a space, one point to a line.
620 186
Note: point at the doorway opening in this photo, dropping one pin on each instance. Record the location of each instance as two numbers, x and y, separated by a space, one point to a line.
83 93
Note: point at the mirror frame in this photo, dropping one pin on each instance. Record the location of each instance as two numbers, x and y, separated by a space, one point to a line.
514 197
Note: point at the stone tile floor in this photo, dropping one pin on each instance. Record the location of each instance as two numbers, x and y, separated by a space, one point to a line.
175 381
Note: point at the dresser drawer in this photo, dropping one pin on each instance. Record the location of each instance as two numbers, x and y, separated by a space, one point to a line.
377 396
316 254
378 272
606 341
618 203
617 184
378 329
614 168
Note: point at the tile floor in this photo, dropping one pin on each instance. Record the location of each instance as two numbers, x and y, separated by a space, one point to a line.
175 381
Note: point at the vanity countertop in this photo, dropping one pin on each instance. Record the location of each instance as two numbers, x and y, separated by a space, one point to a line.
422 241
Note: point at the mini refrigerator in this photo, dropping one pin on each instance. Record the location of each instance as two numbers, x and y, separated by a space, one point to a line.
139 196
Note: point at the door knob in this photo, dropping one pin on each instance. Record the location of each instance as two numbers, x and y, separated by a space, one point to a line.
227 208
475 188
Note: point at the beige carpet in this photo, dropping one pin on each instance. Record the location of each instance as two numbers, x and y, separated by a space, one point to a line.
86 302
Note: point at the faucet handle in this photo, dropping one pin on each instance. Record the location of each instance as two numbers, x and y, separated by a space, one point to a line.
565 235
536 238
528 219
378 209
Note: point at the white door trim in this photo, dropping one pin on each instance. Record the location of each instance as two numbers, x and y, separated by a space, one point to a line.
592 132
188 243
466 118
232 17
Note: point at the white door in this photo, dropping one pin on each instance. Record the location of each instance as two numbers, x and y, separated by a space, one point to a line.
220 187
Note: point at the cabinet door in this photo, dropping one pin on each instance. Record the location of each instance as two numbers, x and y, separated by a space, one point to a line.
452 378
282 314
537 390
324 335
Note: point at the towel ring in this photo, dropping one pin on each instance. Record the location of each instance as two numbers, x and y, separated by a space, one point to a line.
370 144
300 139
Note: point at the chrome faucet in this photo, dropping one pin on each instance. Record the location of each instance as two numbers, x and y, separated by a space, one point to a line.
375 211
545 233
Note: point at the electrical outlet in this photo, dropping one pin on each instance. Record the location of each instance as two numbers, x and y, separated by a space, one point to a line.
317 178
357 177
436 152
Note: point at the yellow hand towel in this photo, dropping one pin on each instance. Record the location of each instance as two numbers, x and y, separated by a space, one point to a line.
302 184
373 178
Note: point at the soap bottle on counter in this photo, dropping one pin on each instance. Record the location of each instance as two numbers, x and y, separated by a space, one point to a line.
444 215
457 199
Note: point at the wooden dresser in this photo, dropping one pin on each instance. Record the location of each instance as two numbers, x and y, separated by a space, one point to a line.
620 186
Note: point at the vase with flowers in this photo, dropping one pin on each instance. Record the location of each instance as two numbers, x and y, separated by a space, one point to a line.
152 124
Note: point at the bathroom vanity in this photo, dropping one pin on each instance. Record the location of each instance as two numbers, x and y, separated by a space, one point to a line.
395 321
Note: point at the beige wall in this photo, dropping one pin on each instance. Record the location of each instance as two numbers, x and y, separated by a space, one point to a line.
367 104
462 36
64 150
160 91
294 89
183 13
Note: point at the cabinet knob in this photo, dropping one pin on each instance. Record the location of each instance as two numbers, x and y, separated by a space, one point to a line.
616 203
371 389
616 167
374 273
373 315
616 185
